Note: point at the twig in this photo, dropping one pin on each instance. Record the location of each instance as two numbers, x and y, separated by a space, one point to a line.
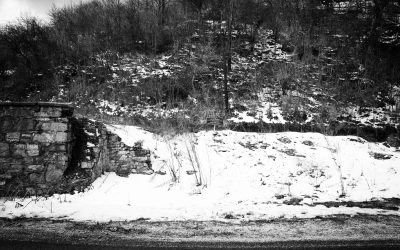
338 166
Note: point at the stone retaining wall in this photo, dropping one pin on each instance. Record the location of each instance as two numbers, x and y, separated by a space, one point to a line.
34 146
45 150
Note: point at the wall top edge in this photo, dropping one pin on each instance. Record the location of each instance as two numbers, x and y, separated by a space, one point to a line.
37 104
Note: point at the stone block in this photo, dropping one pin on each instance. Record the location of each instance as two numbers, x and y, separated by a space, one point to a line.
30 160
5 176
7 123
49 112
122 157
25 125
139 165
4 149
141 159
13 137
26 137
8 111
61 157
17 161
50 148
19 150
61 137
55 126
43 138
4 161
24 112
142 152
35 168
62 119
2 183
15 170
61 147
123 171
114 138
32 149
123 152
42 120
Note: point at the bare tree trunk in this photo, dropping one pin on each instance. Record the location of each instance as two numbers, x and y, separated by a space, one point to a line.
229 22
372 38
227 53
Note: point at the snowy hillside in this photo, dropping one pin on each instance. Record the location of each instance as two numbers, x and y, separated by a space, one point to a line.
226 175
266 85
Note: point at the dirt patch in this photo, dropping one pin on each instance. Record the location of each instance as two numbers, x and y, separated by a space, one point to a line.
387 204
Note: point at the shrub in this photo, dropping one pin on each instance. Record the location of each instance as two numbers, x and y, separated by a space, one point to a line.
29 54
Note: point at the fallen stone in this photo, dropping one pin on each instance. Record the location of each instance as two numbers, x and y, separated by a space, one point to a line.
36 178
308 143
160 172
393 141
123 172
380 156
279 196
293 201
86 165
146 172
53 174
284 140
288 151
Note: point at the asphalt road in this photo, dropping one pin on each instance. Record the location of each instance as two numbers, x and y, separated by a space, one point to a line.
371 244
338 232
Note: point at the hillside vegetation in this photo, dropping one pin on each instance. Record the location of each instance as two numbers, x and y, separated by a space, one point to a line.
249 65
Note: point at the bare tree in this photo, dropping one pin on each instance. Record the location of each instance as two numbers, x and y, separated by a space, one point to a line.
227 53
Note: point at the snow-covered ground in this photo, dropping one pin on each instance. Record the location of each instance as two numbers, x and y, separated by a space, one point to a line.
226 175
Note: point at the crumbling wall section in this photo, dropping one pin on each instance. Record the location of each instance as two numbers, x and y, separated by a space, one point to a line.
104 152
45 150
